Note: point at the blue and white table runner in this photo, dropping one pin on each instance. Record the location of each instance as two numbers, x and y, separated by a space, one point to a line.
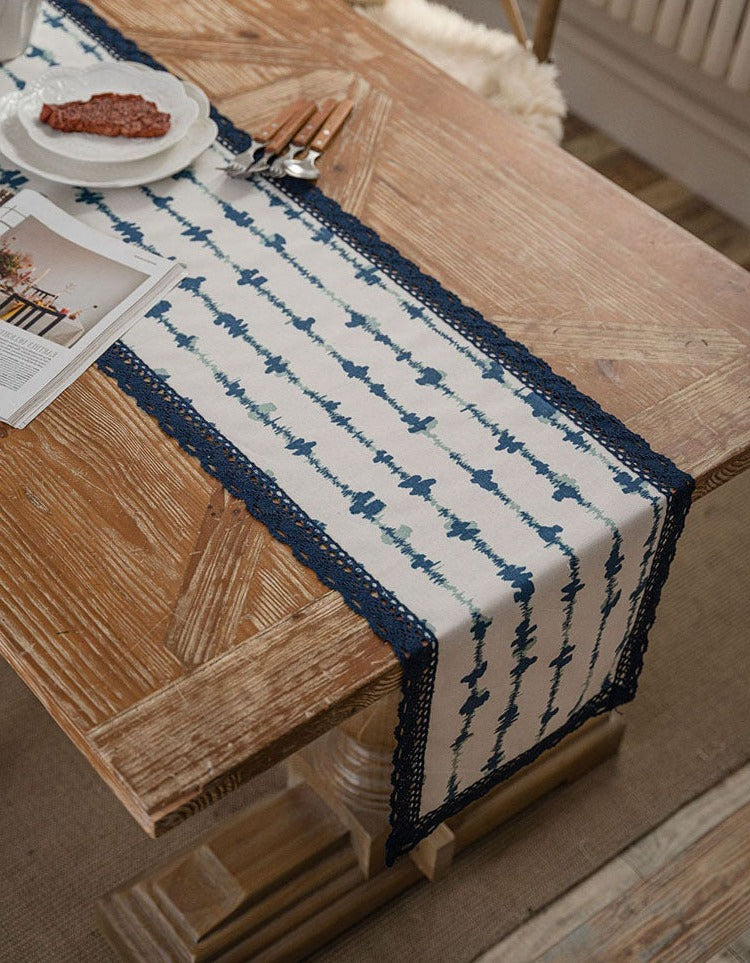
506 537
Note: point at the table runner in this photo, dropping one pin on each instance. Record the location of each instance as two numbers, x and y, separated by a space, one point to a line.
507 537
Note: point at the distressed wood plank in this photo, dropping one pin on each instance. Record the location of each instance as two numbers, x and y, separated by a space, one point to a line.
251 108
215 585
655 344
707 421
86 627
249 697
350 171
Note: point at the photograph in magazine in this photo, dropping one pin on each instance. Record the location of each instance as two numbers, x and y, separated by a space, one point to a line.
67 292
54 288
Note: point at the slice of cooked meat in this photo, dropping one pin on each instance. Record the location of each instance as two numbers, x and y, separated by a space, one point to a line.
111 115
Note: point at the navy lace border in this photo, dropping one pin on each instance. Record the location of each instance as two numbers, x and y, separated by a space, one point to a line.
413 642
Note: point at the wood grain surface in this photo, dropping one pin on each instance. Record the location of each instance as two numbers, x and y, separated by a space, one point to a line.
171 637
683 914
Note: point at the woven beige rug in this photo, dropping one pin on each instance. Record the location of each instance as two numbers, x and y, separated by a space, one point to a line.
65 840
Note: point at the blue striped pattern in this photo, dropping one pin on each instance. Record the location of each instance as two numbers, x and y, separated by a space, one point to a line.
519 542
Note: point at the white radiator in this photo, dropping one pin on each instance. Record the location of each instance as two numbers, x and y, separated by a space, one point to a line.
713 34
670 80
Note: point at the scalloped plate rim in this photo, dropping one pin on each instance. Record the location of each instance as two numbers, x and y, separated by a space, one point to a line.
80 146
157 166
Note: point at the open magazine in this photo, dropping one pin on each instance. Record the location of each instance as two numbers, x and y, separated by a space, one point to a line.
67 292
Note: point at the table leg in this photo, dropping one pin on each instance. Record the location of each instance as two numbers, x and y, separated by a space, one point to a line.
298 867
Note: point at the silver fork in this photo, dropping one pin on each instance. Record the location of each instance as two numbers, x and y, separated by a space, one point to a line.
244 161
240 165
301 139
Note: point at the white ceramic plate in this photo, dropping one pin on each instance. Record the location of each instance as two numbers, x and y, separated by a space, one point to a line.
6 84
61 84
21 150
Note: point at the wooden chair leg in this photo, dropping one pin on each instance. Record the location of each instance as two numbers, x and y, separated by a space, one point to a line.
544 30
515 20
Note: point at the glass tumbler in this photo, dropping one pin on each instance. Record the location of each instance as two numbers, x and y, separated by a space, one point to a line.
16 22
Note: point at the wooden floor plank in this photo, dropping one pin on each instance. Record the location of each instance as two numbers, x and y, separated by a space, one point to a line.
686 912
740 947
592 148
645 857
666 195
668 841
546 928
627 170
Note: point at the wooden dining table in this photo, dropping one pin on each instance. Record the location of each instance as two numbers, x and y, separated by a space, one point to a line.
176 642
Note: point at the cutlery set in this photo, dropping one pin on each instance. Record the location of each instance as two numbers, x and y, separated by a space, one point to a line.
291 144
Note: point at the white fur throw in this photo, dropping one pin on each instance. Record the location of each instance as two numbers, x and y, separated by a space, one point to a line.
490 62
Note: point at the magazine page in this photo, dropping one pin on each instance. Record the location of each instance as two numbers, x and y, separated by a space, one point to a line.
63 285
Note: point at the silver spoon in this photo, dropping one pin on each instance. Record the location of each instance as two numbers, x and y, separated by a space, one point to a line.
240 165
305 167
281 138
302 138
